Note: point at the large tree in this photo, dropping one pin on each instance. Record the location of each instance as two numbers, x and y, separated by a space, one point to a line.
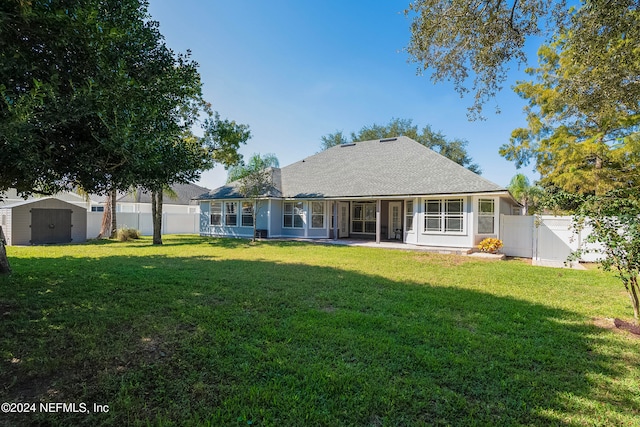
475 44
182 159
92 97
454 149
584 117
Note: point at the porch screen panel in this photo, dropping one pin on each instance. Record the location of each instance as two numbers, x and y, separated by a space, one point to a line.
317 214
409 216
364 218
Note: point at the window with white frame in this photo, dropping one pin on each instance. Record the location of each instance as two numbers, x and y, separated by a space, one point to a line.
486 216
293 215
216 213
317 214
247 214
230 214
444 216
408 212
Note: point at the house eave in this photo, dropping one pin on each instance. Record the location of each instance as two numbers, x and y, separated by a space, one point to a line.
371 197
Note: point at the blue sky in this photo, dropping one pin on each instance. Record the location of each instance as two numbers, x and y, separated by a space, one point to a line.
297 70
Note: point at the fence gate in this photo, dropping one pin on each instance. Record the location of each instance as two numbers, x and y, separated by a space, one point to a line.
50 226
556 240
517 233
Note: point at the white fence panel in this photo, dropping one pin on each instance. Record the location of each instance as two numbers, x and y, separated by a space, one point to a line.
94 223
547 239
172 223
556 239
517 233
177 223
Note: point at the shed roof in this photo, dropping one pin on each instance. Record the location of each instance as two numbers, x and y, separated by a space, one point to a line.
32 201
376 168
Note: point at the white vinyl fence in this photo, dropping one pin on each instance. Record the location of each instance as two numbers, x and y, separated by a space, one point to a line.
546 239
172 223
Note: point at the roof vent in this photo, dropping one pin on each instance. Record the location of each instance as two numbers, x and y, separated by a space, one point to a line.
388 139
350 144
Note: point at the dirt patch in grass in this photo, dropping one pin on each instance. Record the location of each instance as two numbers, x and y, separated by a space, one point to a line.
618 325
629 327
527 261
443 260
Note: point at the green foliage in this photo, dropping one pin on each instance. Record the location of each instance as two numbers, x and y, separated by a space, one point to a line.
222 332
223 139
525 193
257 163
93 97
255 179
333 139
613 221
458 39
583 113
454 149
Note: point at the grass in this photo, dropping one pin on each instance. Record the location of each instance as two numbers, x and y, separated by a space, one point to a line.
224 332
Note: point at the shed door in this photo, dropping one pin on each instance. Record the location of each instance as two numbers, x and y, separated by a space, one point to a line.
50 226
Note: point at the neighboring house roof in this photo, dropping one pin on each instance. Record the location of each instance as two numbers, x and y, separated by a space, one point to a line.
387 167
184 195
31 201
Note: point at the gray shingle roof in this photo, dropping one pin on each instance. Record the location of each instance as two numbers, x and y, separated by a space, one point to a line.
184 194
388 167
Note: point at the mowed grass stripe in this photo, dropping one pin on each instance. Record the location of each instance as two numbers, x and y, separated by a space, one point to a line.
225 332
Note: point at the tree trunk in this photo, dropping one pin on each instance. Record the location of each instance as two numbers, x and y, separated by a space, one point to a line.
5 268
105 228
634 295
114 225
156 213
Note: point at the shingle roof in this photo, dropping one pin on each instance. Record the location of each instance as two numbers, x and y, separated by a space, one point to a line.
388 167
184 194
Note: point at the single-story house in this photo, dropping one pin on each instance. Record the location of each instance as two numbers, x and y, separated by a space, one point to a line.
179 200
42 221
388 189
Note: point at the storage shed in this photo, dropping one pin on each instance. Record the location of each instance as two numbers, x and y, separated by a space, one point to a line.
43 221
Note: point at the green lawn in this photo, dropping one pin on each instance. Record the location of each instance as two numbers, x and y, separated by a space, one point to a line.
224 332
